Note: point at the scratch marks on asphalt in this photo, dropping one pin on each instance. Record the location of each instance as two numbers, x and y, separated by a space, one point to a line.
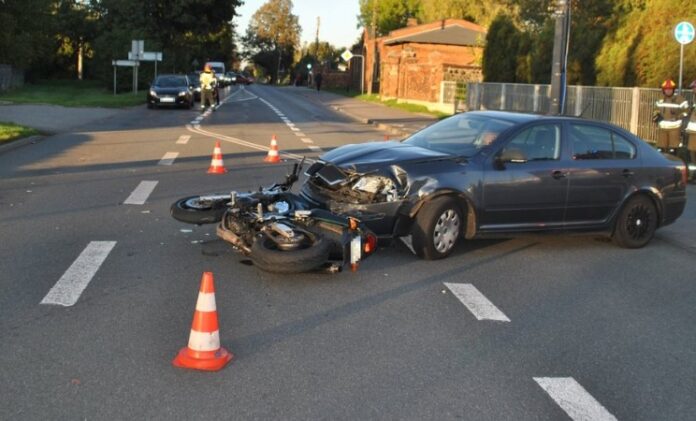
574 399
69 287
476 302
141 193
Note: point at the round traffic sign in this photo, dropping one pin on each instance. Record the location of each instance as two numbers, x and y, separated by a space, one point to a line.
684 32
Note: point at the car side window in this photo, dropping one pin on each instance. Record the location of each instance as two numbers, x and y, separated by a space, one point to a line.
538 143
591 142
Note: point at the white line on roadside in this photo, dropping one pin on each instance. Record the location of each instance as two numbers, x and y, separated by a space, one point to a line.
141 193
476 302
314 148
307 140
69 287
574 399
168 158
183 139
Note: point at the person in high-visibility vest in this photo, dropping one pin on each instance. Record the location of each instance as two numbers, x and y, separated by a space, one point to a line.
669 115
690 129
207 80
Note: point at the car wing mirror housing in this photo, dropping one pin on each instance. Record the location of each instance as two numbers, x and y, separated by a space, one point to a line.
510 155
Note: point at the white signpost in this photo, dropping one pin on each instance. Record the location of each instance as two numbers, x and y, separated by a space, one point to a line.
347 56
684 33
135 56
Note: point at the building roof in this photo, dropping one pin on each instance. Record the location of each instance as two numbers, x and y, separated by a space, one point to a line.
447 31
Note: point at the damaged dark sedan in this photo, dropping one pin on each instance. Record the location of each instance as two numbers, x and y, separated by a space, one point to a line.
473 175
482 174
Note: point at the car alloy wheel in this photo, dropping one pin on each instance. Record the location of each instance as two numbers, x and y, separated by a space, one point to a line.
636 224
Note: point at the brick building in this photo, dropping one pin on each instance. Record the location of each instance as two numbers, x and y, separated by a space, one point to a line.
412 62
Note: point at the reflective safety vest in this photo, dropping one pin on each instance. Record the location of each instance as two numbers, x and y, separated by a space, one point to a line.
673 110
207 79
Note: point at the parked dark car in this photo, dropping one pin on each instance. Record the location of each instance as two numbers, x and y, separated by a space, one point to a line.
171 90
484 174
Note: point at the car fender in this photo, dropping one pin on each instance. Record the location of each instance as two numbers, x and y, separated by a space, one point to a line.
465 202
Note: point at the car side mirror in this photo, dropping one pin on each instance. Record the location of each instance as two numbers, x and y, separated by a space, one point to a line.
510 155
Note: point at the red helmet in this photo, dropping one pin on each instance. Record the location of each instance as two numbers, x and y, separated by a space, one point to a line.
207 68
668 84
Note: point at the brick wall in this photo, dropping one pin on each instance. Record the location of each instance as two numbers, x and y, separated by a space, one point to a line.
415 71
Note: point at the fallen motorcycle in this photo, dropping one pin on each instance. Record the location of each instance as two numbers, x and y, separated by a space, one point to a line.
278 230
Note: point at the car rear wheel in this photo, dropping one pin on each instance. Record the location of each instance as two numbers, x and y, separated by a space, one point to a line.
437 228
636 224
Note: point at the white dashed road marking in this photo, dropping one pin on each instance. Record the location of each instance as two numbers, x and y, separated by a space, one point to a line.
69 287
168 158
300 134
306 140
574 399
183 139
476 302
141 193
314 148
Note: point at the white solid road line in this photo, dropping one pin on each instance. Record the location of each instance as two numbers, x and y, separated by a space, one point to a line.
141 193
476 302
168 158
183 139
69 287
574 399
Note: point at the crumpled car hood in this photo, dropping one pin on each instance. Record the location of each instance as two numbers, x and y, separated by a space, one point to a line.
378 153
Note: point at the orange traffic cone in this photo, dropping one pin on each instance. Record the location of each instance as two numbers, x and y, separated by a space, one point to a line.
203 351
216 165
273 156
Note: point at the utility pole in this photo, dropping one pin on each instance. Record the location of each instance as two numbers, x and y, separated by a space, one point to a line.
561 13
316 40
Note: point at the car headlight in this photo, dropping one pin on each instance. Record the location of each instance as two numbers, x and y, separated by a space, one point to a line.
198 89
153 93
182 93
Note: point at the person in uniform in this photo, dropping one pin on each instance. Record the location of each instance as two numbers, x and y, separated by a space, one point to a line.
669 115
207 80
690 129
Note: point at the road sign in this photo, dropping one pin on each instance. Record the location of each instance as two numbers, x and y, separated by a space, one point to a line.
126 63
146 56
684 33
347 55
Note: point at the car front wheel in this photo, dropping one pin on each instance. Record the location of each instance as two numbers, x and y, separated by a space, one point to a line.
636 224
437 228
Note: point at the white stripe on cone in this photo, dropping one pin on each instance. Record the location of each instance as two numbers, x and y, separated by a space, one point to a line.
204 341
206 302
216 162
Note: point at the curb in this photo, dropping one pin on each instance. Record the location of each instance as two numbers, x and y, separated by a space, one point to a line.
18 143
392 129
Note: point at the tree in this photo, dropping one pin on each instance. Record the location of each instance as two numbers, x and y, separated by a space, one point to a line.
272 36
76 30
478 11
25 38
500 55
387 15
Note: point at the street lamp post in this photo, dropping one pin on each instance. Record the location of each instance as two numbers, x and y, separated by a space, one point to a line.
558 68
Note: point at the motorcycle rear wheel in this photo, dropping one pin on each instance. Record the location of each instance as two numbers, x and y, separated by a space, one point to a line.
192 210
267 256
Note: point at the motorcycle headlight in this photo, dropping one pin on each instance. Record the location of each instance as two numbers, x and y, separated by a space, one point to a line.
153 93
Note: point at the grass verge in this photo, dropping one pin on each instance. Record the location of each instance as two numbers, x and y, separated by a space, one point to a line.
71 93
11 131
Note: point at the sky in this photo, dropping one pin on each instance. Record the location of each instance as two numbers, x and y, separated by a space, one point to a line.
338 19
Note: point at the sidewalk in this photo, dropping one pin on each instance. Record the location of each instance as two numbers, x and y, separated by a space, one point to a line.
53 118
396 122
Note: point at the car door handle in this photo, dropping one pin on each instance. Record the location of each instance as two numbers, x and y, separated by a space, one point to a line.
627 173
558 175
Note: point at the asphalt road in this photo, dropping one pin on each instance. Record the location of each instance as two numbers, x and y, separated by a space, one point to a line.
605 332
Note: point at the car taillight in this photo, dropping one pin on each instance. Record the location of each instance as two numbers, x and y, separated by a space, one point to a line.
370 244
684 174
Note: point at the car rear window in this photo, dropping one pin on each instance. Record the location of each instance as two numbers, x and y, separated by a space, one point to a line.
592 142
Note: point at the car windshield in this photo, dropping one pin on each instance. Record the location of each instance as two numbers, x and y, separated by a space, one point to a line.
463 134
195 79
170 81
